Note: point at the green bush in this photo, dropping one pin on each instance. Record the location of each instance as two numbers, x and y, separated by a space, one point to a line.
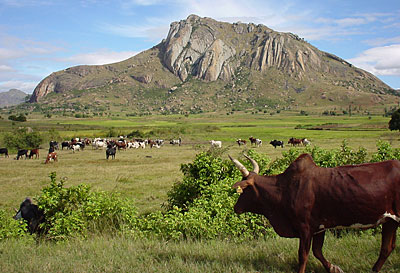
20 118
201 206
76 211
22 139
385 152
10 228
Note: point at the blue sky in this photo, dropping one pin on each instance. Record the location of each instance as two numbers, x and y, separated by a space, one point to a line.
38 37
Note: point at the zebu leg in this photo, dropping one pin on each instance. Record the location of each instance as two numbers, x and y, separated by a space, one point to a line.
388 243
304 250
318 242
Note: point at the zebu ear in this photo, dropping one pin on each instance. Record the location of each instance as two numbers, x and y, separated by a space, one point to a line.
241 185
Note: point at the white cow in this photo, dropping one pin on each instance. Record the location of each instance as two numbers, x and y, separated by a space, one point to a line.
306 142
216 143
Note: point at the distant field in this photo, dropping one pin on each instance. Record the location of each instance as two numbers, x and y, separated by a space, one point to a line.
146 175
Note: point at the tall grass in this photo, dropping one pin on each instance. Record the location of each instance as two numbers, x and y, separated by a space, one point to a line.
123 254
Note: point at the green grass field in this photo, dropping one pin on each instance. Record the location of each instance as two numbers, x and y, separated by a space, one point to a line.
146 175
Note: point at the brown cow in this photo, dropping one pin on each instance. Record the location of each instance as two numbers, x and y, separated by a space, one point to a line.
241 142
51 156
34 152
305 200
295 141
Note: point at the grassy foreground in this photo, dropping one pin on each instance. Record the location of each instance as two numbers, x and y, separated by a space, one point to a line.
147 175
122 254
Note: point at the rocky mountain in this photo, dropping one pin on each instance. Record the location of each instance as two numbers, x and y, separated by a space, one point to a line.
12 97
207 65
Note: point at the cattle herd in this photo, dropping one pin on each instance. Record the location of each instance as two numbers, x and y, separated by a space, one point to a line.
302 202
121 143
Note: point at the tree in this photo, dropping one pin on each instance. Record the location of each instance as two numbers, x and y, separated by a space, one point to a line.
20 118
394 123
22 139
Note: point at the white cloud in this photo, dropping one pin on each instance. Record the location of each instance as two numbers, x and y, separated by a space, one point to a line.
6 68
24 86
346 22
99 57
383 41
152 32
380 60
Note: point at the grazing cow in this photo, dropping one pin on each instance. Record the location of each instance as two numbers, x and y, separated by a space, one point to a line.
306 200
53 144
276 143
306 142
75 147
256 141
31 214
252 140
241 142
159 142
51 157
295 141
176 141
98 144
4 151
120 145
64 144
111 150
216 143
34 152
21 153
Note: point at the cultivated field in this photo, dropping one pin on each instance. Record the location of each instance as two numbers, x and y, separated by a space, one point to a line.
146 175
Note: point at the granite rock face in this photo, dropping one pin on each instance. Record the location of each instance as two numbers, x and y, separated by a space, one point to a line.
210 50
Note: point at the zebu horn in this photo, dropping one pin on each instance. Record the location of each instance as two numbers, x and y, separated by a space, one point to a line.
240 166
256 168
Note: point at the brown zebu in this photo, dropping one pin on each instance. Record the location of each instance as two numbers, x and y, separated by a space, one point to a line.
295 141
34 152
305 200
51 156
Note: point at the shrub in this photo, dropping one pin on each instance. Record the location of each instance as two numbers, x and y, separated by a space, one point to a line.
20 118
10 228
77 210
385 152
22 139
201 206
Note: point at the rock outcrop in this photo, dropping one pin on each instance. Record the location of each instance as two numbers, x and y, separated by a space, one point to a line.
210 50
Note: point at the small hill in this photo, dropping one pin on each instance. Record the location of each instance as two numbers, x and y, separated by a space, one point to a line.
12 97
206 65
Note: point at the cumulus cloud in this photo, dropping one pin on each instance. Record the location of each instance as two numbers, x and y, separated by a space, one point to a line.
24 86
152 32
104 56
383 61
383 41
6 68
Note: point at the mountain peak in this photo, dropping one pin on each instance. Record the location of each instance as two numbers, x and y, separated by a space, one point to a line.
262 64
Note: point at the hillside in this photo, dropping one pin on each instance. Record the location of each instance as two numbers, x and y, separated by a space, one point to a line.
12 97
205 65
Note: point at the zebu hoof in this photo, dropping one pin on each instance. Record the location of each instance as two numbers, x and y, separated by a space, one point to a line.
335 269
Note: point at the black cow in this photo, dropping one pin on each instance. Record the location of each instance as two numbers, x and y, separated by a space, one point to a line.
4 151
54 144
21 153
276 143
64 144
111 152
31 214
